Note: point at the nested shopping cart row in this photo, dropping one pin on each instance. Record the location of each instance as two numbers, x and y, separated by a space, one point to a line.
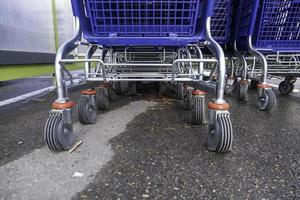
188 44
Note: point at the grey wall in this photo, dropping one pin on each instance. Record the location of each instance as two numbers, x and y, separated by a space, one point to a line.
64 20
27 32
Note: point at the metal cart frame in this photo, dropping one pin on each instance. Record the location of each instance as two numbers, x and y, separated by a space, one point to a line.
184 67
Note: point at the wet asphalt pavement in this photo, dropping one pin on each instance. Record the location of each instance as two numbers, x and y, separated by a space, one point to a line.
161 156
14 88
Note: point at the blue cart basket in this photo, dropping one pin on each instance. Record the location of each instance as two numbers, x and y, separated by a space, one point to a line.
142 22
221 20
265 27
274 25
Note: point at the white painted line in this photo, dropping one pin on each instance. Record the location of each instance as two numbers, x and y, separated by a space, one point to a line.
34 93
25 96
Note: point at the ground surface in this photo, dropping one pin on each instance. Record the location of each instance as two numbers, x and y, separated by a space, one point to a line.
143 147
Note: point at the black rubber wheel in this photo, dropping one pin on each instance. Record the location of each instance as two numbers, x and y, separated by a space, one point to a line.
229 88
132 88
286 87
188 100
220 135
198 110
180 91
102 99
254 84
243 92
117 87
87 113
162 88
267 100
292 87
112 94
57 135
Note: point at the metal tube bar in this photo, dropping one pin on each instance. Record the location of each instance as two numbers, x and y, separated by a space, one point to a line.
219 54
261 57
201 65
62 52
242 58
90 52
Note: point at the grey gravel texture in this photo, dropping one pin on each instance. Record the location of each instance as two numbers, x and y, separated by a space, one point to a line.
43 174
22 123
161 156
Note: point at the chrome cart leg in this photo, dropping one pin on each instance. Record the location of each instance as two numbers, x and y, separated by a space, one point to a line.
229 87
58 132
201 64
243 85
180 91
220 134
188 98
266 96
90 52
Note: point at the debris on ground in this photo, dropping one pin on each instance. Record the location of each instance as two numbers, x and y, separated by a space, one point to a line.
77 175
76 145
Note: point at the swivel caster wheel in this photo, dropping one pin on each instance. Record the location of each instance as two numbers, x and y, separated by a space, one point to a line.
112 94
86 107
254 83
117 87
198 108
243 91
229 87
180 91
266 99
285 87
162 88
132 88
58 132
220 134
102 98
188 99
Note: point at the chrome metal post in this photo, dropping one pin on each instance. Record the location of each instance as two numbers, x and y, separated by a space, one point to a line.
244 62
201 65
219 54
231 67
261 57
62 52
90 52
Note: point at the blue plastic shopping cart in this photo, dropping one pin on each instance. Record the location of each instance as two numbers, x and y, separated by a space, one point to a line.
143 40
221 20
146 23
265 28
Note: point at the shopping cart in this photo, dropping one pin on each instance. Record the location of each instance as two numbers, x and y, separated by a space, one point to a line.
221 28
143 40
267 27
221 21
